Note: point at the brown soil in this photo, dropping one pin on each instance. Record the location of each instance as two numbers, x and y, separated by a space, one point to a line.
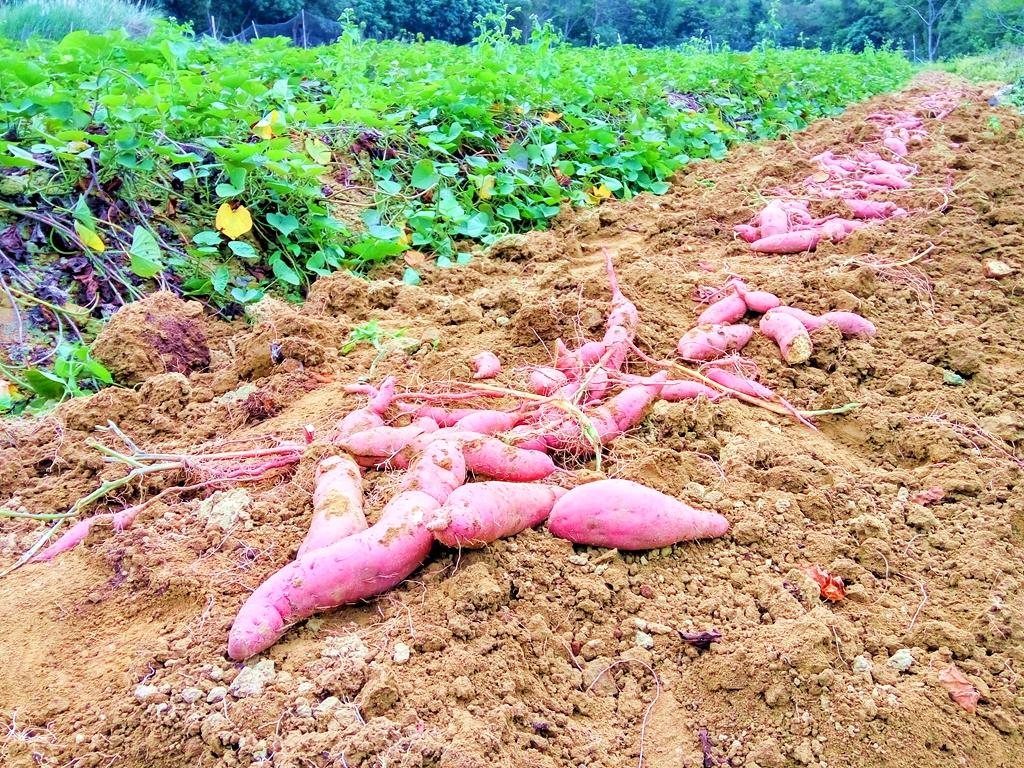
508 644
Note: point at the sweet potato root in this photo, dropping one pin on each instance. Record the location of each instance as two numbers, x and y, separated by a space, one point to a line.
353 569
789 333
709 342
790 242
477 514
729 309
627 515
337 503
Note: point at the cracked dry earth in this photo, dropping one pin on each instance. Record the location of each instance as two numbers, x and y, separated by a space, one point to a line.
114 654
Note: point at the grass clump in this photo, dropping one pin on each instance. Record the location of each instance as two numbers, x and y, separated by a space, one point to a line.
53 19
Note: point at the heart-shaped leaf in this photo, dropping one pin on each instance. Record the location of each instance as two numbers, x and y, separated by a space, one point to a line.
233 222
145 254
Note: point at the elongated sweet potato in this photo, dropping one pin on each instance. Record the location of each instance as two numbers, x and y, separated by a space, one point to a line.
850 324
546 381
729 309
895 146
688 390
709 342
756 301
789 333
790 242
809 321
385 442
337 503
626 515
370 415
747 233
772 220
741 385
479 513
892 181
493 458
353 569
437 471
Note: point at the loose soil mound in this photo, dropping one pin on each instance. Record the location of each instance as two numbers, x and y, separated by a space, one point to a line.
114 653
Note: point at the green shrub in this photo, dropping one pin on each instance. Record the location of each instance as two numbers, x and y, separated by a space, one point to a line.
53 19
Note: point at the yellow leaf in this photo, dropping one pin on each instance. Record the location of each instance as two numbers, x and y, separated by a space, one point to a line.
265 127
552 117
405 238
820 177
74 147
519 110
89 238
487 188
233 222
496 107
598 193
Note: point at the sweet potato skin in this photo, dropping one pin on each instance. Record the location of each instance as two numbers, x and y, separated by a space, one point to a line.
790 242
789 333
477 514
727 310
487 365
353 569
337 503
437 471
627 515
850 324
709 342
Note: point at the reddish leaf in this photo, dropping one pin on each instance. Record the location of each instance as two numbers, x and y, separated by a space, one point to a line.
831 586
415 259
924 498
961 690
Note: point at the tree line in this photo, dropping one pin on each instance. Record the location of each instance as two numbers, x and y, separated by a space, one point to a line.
927 29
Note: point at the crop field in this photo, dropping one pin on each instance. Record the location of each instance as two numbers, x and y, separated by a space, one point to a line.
512 404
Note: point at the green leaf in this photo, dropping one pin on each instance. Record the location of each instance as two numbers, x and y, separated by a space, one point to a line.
283 223
220 279
45 384
411 276
242 249
206 237
285 273
145 254
423 175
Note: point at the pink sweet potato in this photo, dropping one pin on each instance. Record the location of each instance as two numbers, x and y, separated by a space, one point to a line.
437 471
626 515
591 352
730 309
895 146
850 324
809 321
383 443
369 416
353 569
477 514
623 312
547 381
688 390
741 385
566 361
747 233
891 169
874 209
490 422
888 180
773 220
487 365
791 242
756 301
709 342
793 339
493 458
337 503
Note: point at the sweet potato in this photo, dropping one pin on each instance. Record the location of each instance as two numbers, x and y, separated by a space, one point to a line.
626 515
729 309
623 312
772 220
626 409
353 569
709 342
741 385
791 336
896 146
809 321
442 417
437 471
546 381
747 233
487 365
756 301
490 422
850 324
337 503
477 514
888 180
567 361
791 242
688 390
892 169
370 415
382 443
493 458
874 209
